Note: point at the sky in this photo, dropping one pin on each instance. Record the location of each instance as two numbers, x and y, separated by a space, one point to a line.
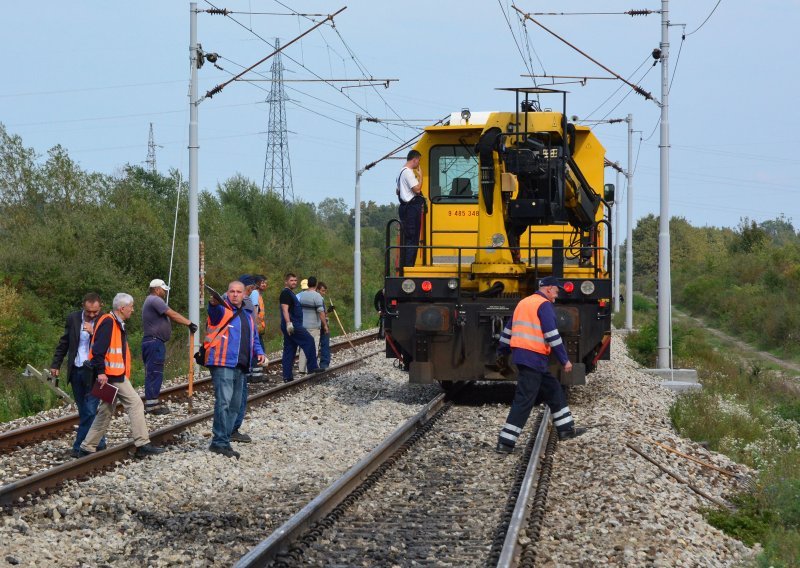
92 76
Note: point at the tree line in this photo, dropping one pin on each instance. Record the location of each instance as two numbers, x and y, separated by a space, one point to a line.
65 231
745 280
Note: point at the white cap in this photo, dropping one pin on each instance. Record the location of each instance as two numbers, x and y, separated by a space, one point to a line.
158 283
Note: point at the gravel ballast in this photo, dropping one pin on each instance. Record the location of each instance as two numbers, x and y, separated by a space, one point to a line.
606 504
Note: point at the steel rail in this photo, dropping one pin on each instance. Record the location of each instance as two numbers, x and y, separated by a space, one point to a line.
12 493
280 540
519 517
34 433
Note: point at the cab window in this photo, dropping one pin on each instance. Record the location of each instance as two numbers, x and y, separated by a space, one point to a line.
453 174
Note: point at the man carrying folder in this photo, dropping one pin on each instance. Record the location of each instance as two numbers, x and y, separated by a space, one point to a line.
110 358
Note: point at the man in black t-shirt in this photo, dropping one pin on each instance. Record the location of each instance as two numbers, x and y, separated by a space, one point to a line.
294 334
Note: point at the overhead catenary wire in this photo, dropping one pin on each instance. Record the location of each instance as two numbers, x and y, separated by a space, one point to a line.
510 29
289 57
221 86
639 90
358 63
301 106
707 18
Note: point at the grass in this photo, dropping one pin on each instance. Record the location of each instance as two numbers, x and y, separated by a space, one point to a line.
750 413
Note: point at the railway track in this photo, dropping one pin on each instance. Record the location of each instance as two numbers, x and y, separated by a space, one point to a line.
39 483
33 434
424 496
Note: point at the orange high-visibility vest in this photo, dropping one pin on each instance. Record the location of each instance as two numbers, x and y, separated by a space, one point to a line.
117 363
526 329
262 318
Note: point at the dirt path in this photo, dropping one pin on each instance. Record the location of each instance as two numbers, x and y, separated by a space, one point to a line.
745 347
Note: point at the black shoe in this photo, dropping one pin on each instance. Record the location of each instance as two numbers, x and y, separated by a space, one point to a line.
317 370
239 437
569 434
503 448
148 450
158 410
285 380
227 452
80 453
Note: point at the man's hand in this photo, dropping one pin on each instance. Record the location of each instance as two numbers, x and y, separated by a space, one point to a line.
192 327
54 372
568 367
102 378
262 360
290 328
87 327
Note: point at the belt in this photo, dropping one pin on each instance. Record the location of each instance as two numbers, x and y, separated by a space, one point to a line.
148 337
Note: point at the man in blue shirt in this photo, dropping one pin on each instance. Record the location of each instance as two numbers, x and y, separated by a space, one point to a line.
531 335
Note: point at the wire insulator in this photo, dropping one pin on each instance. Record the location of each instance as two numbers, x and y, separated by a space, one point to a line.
633 13
218 11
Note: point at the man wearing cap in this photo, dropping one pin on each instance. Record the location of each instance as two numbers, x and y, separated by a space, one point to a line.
157 329
531 335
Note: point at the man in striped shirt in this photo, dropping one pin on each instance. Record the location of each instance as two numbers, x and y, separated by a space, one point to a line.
531 335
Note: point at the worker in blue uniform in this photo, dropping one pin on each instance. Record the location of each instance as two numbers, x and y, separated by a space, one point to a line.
294 334
531 336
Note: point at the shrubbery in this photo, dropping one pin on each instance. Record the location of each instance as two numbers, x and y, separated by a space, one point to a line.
65 232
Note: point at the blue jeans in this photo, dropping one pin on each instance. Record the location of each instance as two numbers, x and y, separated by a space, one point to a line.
243 407
302 339
82 380
154 353
324 350
227 401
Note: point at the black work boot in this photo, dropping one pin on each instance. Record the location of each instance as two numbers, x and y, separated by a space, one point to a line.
503 448
569 434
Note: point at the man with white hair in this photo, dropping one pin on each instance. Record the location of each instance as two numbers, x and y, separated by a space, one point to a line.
110 357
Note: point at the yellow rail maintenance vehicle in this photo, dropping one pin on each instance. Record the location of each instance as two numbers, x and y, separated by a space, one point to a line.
511 197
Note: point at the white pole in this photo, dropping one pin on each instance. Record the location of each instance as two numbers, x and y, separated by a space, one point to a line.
664 278
615 245
629 239
357 243
194 237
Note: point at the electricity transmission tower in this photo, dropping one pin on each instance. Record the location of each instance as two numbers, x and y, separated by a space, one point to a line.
277 166
151 151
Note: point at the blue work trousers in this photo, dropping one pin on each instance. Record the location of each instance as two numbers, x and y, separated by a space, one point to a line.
534 387
243 406
82 380
227 402
154 352
324 350
302 339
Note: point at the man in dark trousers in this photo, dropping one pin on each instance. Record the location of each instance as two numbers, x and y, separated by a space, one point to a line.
294 334
75 342
157 318
531 335
412 203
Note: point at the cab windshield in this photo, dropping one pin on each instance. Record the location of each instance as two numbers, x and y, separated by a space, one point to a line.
453 175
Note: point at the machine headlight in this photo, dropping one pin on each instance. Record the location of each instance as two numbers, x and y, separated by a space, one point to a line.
408 286
587 287
498 240
452 283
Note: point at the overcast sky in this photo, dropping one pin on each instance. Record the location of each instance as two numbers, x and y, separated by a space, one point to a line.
93 75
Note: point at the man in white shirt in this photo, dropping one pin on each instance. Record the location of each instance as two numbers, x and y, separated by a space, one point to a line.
409 192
